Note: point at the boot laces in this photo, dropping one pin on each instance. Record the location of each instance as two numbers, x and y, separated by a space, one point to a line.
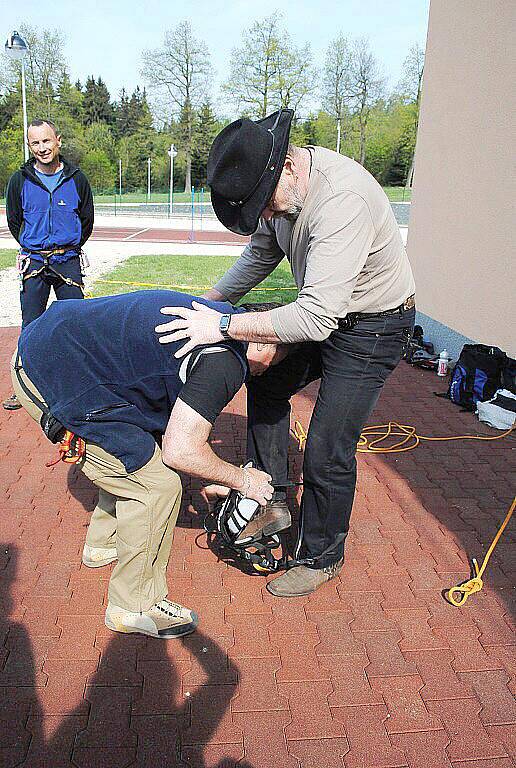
170 609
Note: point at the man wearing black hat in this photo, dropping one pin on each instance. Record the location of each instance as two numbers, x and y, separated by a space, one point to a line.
354 314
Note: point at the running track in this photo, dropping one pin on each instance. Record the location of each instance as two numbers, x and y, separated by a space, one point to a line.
150 235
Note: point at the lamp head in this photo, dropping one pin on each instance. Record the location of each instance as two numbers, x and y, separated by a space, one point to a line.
15 46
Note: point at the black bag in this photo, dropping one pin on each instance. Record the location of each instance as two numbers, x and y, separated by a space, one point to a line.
509 375
477 375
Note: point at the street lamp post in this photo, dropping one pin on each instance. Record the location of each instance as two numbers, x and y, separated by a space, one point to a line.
172 152
16 48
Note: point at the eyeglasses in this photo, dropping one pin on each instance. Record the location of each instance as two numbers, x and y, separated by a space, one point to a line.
267 168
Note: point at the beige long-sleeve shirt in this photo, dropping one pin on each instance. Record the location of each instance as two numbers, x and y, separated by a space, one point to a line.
345 251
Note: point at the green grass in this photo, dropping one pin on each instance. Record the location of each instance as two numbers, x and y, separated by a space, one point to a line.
156 197
398 194
189 274
7 258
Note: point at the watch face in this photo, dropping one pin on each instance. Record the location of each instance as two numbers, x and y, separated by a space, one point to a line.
224 323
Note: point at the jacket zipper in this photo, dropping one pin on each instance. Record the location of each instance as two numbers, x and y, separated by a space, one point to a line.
91 416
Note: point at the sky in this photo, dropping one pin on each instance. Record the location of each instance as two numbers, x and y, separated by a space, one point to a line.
107 38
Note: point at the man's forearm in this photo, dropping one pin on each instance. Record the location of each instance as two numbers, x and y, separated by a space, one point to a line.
204 463
213 295
253 326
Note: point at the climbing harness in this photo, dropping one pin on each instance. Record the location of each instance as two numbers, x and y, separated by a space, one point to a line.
46 267
469 587
71 449
227 520
71 446
229 517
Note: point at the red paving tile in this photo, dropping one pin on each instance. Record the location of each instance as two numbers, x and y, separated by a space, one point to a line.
469 738
375 670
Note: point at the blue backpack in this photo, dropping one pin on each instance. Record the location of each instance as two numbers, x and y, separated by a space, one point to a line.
476 375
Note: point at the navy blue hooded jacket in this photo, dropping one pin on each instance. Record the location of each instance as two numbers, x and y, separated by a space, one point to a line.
103 373
40 220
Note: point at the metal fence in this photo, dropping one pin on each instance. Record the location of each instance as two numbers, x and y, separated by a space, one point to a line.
198 211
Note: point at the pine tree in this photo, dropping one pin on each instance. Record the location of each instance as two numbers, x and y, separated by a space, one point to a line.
206 127
97 102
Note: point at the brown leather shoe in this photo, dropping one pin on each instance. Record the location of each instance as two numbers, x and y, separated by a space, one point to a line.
301 580
272 518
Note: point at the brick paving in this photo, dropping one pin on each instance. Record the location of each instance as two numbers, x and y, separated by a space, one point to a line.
375 670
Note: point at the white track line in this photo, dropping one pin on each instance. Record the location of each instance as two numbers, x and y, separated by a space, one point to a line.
140 232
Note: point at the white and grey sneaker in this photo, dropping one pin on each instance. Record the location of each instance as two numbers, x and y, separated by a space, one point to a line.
96 557
164 620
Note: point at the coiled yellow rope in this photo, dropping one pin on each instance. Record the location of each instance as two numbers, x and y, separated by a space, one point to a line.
475 584
370 442
409 438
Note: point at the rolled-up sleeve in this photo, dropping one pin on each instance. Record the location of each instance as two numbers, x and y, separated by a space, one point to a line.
341 237
259 258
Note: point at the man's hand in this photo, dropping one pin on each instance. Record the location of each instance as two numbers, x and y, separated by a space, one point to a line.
260 356
200 325
256 485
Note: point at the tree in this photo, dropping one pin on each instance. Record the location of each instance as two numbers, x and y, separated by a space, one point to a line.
367 87
97 102
268 72
70 97
44 68
337 87
99 170
410 90
206 128
179 73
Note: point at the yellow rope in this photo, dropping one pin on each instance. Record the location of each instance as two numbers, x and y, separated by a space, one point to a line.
369 442
185 287
409 438
475 584
300 434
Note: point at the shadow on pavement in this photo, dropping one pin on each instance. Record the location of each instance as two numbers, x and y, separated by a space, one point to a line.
136 708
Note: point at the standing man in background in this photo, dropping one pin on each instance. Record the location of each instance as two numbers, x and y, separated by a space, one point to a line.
50 213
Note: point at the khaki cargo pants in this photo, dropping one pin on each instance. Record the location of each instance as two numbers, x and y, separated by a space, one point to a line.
136 513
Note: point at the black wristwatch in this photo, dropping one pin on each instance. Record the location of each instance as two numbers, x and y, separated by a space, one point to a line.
224 324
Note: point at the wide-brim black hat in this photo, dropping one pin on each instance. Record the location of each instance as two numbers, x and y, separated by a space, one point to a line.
244 166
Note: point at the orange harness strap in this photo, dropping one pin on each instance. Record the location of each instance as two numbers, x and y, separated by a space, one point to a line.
71 449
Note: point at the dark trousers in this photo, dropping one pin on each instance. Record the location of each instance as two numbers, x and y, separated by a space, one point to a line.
352 365
36 290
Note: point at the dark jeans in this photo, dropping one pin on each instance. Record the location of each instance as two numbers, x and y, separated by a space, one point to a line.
353 365
36 290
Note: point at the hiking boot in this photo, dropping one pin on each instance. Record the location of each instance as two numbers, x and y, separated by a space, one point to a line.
272 518
12 403
164 620
301 580
96 557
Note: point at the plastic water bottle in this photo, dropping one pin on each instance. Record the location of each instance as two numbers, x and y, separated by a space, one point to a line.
442 365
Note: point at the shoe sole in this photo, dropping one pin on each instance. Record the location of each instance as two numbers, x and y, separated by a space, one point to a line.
98 563
291 594
180 631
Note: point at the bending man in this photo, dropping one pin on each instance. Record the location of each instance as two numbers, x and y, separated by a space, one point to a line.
96 369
